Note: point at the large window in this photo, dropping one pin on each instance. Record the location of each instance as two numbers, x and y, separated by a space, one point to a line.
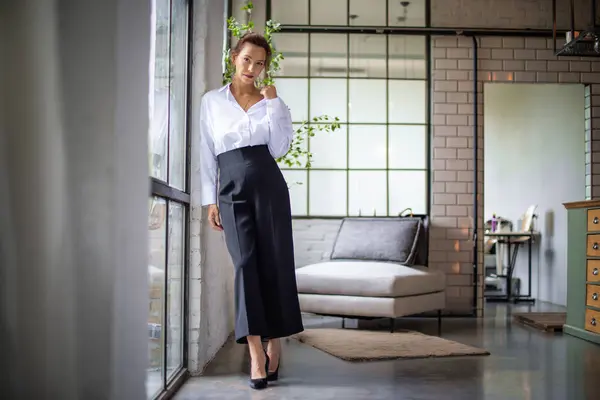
376 84
349 12
169 203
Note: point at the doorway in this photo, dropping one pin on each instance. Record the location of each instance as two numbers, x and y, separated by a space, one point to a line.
534 161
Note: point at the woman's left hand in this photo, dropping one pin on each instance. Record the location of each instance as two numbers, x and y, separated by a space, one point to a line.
269 92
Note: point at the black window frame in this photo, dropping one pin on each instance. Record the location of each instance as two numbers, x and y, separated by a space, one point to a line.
161 189
387 30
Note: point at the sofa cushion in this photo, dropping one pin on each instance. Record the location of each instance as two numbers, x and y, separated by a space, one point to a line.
378 239
385 307
368 278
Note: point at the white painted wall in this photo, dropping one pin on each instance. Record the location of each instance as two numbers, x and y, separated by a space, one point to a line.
534 150
211 270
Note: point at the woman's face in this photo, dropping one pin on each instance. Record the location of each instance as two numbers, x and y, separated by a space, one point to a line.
249 62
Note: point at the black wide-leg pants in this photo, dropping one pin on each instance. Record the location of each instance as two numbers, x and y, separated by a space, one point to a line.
256 215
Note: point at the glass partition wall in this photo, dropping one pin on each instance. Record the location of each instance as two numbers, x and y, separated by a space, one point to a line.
168 206
376 83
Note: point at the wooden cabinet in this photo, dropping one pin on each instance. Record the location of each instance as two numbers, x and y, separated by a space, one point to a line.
593 296
583 270
593 271
593 220
592 320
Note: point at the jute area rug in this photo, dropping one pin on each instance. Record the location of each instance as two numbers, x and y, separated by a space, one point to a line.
361 345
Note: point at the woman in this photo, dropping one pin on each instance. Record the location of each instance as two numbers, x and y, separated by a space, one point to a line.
244 130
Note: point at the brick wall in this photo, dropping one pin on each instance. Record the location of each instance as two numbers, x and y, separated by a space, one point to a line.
210 318
453 168
507 14
592 138
511 60
313 240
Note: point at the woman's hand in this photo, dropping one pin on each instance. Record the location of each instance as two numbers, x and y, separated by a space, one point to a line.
269 92
214 219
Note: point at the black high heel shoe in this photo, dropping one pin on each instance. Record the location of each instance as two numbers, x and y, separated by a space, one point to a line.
272 376
260 383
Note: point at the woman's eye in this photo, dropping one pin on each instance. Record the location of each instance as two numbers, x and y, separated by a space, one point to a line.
246 59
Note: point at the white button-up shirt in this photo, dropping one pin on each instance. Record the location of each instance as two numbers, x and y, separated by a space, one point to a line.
224 126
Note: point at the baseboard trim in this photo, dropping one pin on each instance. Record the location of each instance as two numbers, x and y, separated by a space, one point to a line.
581 333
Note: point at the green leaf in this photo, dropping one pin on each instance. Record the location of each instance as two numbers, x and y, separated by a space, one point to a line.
248 6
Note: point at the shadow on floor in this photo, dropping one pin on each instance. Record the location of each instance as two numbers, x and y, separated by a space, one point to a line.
524 364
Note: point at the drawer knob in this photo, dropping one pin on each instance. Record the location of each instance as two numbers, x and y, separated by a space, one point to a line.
593 322
595 220
595 271
595 296
595 246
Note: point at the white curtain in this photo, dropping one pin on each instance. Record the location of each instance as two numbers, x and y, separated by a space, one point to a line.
73 198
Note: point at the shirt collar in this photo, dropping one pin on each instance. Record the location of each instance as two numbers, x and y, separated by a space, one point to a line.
225 89
229 95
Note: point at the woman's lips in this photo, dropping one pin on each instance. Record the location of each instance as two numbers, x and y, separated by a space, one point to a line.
248 76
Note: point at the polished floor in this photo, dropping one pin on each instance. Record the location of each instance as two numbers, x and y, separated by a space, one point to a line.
524 364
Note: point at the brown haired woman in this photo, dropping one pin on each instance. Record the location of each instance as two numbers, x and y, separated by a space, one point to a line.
243 131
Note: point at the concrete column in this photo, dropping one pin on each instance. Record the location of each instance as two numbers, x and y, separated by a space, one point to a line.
73 198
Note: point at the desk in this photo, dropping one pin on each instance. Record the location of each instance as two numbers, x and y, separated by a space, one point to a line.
510 239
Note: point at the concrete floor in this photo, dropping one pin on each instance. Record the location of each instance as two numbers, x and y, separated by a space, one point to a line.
524 364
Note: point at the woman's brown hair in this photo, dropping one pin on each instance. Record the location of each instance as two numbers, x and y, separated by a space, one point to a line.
257 40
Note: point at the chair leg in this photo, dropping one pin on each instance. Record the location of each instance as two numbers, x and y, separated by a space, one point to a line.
392 325
439 321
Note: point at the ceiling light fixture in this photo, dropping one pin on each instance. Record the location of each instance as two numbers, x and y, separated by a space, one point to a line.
404 5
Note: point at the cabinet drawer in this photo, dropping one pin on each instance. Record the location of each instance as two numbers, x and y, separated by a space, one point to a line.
593 245
593 296
593 220
592 321
593 271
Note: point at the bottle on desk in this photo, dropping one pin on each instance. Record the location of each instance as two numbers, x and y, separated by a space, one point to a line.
494 223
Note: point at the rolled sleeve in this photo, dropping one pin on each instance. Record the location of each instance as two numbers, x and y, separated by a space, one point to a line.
208 160
281 130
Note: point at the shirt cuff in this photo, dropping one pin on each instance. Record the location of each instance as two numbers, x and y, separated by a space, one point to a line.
208 196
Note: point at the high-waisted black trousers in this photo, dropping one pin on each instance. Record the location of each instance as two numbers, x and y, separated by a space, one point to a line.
256 215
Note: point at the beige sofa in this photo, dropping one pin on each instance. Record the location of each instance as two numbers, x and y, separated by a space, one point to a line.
378 269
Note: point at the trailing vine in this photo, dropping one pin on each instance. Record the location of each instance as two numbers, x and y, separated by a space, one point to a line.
298 155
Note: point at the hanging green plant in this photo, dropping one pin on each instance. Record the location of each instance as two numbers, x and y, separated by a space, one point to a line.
298 155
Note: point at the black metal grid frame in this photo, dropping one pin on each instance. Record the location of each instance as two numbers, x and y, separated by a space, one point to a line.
163 190
347 32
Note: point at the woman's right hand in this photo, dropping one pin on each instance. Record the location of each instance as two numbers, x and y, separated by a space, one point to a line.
214 219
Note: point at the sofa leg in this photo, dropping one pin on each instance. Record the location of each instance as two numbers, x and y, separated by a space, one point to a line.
439 321
343 323
392 325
